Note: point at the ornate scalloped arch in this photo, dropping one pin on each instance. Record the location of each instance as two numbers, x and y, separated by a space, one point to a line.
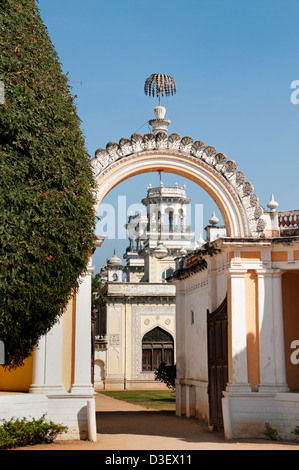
217 175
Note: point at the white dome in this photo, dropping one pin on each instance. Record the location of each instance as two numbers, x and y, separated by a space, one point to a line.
114 261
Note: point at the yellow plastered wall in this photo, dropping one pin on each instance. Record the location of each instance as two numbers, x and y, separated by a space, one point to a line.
68 344
252 328
290 283
18 380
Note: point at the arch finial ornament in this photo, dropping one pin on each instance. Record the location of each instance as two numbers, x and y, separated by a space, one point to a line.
220 177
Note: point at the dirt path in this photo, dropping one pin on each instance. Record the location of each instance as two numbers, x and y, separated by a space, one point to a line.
122 426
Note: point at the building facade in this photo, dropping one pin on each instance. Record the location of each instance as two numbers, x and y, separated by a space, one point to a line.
238 331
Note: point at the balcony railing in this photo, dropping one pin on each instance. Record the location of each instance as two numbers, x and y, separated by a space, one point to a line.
288 219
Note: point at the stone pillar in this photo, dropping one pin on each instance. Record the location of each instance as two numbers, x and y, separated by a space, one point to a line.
178 395
82 371
47 361
271 333
180 348
238 380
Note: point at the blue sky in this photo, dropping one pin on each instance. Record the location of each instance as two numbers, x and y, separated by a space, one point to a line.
233 62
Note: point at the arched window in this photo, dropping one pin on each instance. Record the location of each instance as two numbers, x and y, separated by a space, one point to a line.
167 273
157 347
115 277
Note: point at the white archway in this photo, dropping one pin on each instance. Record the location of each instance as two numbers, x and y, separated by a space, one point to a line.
240 209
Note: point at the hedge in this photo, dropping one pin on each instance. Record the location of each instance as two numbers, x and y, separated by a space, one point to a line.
46 184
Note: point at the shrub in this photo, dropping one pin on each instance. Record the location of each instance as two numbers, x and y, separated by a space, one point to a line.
21 432
46 183
166 374
271 433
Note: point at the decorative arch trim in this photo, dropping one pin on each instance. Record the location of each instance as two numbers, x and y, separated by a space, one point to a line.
217 175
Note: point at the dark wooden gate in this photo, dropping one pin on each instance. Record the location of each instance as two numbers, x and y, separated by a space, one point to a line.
217 361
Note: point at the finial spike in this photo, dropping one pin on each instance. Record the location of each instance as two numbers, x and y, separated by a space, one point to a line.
272 204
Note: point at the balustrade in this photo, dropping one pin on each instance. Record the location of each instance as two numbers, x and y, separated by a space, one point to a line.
288 219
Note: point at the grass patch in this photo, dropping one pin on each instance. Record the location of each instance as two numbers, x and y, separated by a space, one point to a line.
163 400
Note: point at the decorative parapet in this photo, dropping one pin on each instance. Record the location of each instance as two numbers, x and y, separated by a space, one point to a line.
196 151
288 219
172 192
140 289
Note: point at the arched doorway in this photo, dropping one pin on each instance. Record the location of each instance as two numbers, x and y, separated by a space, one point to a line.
157 347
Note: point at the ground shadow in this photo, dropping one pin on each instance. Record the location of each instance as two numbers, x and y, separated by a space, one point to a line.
154 423
166 424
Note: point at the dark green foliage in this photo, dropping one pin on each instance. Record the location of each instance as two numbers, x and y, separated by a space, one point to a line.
271 433
46 201
22 432
98 287
166 374
296 431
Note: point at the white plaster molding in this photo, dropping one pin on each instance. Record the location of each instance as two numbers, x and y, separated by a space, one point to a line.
199 156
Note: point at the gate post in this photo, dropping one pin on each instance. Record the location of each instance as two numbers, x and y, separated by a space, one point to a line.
82 370
47 361
271 331
237 340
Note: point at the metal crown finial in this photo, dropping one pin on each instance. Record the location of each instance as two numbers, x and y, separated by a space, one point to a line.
159 84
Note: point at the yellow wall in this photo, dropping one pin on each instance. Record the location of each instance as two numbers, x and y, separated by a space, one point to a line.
279 256
18 380
252 328
290 284
68 344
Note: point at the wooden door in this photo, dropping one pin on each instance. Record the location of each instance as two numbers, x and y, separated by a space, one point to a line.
157 357
217 361
147 359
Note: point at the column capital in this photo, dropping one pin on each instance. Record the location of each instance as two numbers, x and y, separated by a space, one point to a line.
236 272
269 272
88 272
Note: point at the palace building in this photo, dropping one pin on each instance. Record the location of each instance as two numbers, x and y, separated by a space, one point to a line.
135 330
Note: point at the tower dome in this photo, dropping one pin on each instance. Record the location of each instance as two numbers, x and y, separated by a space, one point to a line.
114 261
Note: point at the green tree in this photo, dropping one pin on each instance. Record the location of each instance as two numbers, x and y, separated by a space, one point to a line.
98 288
46 184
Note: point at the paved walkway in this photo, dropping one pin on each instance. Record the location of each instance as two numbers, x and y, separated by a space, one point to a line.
122 426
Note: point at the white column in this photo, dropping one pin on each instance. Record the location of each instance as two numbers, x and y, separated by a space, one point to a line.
237 325
271 333
82 371
47 361
38 375
280 362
